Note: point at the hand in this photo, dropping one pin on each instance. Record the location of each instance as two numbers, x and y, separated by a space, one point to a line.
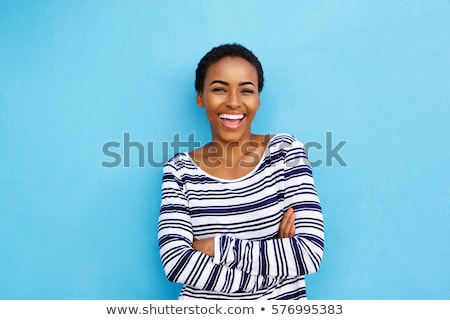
204 245
287 225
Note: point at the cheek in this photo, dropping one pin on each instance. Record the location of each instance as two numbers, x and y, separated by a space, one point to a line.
210 113
211 101
254 104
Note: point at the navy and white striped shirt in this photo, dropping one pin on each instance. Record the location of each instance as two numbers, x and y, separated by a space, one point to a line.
243 215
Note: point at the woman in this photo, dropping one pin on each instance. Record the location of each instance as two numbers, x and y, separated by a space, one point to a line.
240 217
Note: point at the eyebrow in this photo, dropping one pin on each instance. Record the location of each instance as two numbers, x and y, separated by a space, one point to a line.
226 83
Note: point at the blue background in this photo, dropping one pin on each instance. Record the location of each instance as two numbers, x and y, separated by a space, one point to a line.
75 75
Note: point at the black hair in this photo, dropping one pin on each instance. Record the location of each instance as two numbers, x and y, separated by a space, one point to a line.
222 51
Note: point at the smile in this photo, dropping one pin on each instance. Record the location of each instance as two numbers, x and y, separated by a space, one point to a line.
231 121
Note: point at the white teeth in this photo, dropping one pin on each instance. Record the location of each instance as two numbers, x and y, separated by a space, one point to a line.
231 116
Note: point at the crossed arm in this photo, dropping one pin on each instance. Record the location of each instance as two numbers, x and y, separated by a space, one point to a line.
227 264
287 230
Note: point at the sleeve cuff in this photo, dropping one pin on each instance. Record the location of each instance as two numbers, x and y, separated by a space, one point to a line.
217 249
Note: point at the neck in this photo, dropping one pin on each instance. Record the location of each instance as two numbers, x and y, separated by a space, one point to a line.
233 148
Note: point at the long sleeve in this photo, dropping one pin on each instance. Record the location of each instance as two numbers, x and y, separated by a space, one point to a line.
285 257
180 261
243 216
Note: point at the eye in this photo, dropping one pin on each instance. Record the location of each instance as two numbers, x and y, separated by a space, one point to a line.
218 89
246 90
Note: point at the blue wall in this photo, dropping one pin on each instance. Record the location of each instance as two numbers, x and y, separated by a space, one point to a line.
75 75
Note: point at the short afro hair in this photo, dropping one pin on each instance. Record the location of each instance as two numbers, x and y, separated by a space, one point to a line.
222 51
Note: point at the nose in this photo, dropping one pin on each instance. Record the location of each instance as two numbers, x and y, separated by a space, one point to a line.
233 100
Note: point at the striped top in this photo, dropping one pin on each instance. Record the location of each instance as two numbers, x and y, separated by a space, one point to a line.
243 215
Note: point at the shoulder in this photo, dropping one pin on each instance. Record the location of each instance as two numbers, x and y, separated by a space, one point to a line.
178 162
285 141
285 148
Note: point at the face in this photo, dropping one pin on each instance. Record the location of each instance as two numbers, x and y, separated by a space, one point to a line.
231 98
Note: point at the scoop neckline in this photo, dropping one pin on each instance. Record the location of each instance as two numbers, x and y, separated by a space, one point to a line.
245 176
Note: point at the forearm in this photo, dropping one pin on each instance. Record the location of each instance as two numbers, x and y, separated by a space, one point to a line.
204 245
285 257
183 264
286 230
298 253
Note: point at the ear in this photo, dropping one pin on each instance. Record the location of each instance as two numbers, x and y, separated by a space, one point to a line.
199 99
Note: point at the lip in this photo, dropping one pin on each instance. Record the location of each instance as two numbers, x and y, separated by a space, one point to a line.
232 123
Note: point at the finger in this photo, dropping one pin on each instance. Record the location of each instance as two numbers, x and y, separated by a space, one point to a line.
292 232
290 226
286 224
283 224
292 223
289 219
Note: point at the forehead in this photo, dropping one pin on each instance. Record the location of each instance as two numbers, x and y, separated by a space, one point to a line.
232 68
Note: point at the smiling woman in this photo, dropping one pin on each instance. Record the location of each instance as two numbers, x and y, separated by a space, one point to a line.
230 104
231 99
240 217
